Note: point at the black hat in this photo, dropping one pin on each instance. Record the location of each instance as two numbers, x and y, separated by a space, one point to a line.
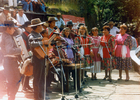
8 23
26 24
69 23
80 24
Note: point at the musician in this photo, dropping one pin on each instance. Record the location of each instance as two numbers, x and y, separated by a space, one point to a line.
38 64
94 49
10 64
108 44
24 35
83 41
50 29
53 54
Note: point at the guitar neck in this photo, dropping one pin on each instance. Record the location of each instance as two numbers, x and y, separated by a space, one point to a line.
52 37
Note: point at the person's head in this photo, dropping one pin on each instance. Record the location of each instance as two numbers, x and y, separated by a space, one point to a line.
80 24
83 30
36 25
123 29
44 33
9 27
66 32
45 25
6 10
111 24
106 30
13 13
58 15
94 31
26 26
70 24
59 41
51 21
21 12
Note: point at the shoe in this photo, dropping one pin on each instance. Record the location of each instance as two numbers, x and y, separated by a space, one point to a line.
32 11
110 80
27 11
119 79
127 79
104 78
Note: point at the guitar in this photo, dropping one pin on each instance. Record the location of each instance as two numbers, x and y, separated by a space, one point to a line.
39 52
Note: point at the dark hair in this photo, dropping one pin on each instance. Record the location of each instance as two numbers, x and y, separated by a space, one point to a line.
34 27
44 31
106 27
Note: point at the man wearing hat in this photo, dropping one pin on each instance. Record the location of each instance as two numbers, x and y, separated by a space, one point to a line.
24 35
113 29
38 64
10 51
60 23
5 15
50 29
72 33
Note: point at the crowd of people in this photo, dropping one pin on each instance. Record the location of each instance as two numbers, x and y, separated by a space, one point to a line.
107 52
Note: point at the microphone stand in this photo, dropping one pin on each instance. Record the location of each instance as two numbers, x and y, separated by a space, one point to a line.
62 74
76 96
46 68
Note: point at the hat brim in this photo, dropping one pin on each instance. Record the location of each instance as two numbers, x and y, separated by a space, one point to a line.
36 24
53 20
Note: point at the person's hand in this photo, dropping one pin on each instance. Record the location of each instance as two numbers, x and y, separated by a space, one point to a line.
113 53
91 54
98 55
45 42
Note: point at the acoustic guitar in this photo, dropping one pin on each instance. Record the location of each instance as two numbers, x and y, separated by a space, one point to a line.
40 51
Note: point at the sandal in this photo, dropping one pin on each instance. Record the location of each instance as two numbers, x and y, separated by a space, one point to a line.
119 78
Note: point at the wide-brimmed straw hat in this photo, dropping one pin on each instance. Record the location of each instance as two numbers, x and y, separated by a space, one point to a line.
6 8
111 23
36 22
58 14
51 19
46 24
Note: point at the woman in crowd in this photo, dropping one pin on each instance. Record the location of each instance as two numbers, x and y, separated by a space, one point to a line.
108 51
123 47
84 40
68 50
94 49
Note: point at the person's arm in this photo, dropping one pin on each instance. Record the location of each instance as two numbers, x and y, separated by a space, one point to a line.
62 21
43 2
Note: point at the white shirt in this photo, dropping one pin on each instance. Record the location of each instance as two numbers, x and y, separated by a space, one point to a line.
114 31
22 20
59 22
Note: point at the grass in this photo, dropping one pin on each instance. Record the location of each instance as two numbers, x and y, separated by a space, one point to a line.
65 6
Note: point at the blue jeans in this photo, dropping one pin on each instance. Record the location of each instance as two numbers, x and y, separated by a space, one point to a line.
43 8
26 6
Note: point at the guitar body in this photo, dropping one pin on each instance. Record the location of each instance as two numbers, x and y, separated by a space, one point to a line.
39 52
